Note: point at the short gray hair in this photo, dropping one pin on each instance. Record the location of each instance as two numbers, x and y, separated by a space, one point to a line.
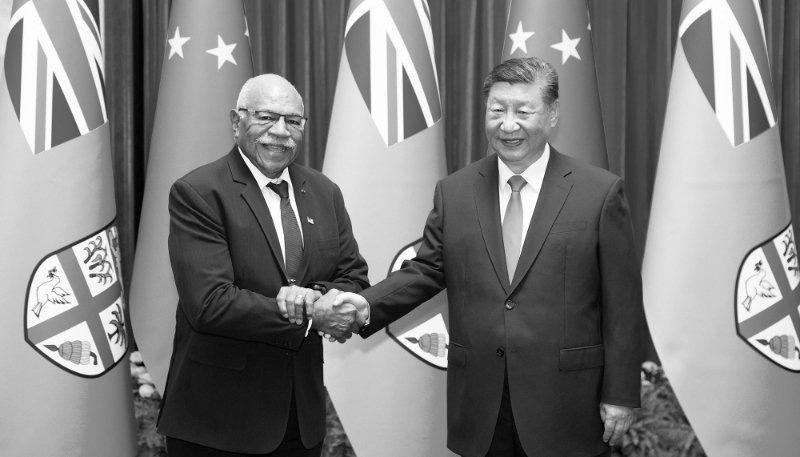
530 70
244 93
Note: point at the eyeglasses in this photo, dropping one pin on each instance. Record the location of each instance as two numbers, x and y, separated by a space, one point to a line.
268 118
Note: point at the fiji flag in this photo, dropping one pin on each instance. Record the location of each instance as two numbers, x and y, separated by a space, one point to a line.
387 171
721 261
62 315
54 71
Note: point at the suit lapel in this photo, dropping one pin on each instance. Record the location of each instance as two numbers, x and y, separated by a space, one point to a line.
305 205
255 199
551 199
488 204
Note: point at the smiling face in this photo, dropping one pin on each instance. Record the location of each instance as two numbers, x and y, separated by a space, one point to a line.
271 148
518 123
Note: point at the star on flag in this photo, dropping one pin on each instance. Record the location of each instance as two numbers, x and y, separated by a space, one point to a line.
176 43
519 38
568 47
224 52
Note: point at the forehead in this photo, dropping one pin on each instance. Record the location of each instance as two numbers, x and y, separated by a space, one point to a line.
281 98
519 93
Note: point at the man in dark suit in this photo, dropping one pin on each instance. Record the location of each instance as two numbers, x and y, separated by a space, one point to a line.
537 254
246 231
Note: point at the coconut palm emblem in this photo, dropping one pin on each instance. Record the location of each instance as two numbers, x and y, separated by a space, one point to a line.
767 298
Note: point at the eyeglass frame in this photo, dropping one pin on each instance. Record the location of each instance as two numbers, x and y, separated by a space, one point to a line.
284 116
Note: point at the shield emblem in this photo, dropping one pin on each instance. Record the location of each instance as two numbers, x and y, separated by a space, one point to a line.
768 300
422 332
74 309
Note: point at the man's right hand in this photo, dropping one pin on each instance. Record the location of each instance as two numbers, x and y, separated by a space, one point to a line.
335 322
292 299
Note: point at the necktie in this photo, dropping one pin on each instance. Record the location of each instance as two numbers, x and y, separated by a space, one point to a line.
512 225
292 239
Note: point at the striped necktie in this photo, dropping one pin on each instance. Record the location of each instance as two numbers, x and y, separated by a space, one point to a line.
292 238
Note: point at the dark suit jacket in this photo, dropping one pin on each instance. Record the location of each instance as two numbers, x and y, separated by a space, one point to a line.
236 360
567 326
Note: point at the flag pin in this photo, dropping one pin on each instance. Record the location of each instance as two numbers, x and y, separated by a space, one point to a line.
310 221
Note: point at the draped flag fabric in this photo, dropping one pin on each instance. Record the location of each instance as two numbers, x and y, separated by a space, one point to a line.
387 167
67 387
721 260
559 32
206 61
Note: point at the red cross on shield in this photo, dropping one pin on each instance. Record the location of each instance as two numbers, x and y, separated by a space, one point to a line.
768 300
74 310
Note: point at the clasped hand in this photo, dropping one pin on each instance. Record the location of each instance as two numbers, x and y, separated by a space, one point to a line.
337 323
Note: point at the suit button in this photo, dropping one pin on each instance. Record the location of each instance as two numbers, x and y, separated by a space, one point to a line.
501 351
509 305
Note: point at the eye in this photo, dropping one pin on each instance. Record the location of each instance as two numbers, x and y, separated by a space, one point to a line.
270 117
294 122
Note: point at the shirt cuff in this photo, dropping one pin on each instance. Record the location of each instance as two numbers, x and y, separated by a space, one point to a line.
308 329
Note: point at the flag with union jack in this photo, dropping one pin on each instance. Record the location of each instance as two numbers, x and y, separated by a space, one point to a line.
725 46
62 317
390 49
54 71
388 86
721 261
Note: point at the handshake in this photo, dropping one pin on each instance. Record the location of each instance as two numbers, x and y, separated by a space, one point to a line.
335 315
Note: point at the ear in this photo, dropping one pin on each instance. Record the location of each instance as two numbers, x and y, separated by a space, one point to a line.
554 114
235 121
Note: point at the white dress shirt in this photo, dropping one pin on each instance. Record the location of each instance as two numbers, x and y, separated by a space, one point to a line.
274 200
529 194
274 204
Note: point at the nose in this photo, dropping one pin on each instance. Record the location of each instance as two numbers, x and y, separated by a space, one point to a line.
509 123
279 128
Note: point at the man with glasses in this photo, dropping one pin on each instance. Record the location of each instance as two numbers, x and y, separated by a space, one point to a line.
253 239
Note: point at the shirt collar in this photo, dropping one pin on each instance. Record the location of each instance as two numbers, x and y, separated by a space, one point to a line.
534 174
262 180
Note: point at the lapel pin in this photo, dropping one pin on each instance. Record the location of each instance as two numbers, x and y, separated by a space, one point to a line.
310 221
302 191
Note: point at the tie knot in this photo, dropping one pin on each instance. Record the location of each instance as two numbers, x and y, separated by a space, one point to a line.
517 182
282 188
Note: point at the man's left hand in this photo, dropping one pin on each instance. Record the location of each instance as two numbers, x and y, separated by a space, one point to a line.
292 299
617 420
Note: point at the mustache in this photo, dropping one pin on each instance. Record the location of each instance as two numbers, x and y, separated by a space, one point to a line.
269 140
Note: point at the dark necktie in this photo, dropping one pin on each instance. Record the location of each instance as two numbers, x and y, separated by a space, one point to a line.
512 225
292 239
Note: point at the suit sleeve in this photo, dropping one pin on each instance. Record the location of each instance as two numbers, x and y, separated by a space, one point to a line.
417 281
351 269
622 308
203 272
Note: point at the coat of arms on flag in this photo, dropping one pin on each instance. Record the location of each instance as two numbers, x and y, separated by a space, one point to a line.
425 335
74 307
768 300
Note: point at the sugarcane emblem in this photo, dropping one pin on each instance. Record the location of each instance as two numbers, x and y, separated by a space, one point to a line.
119 327
783 345
100 254
50 292
77 352
113 241
432 343
790 253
